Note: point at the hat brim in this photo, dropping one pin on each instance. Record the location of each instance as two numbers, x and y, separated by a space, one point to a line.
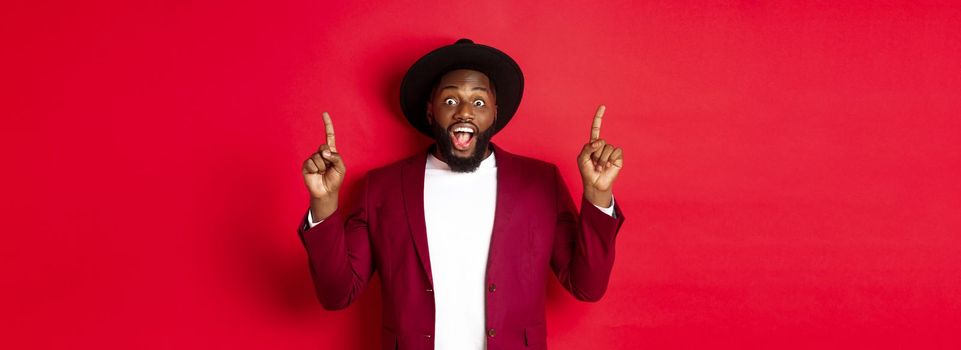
504 73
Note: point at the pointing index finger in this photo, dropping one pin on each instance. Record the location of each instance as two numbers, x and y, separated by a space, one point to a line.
329 127
596 127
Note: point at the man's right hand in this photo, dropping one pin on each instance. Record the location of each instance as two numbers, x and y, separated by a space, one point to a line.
323 175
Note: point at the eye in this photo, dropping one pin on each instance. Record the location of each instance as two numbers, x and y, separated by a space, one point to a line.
450 102
479 103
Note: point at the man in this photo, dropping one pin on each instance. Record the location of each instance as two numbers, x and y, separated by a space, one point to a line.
462 234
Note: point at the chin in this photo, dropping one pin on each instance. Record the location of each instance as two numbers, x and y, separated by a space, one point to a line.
465 154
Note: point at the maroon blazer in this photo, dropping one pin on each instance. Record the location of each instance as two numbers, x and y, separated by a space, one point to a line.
536 227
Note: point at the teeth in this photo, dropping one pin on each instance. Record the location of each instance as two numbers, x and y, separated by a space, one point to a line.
464 129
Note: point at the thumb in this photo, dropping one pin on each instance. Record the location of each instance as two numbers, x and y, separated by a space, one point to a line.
335 159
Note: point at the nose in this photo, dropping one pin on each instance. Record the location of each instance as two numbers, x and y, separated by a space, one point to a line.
465 112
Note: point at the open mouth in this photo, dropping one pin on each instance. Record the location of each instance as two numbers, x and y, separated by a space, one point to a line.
462 135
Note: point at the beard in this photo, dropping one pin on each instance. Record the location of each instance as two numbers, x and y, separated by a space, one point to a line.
458 164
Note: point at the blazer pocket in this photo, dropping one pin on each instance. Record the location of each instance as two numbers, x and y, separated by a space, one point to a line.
536 336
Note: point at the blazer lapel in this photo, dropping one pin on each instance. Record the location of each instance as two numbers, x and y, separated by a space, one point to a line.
413 189
508 186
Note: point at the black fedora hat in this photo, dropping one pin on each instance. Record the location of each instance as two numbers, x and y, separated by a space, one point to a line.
500 68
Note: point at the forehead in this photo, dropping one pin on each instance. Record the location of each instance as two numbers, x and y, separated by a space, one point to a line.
463 78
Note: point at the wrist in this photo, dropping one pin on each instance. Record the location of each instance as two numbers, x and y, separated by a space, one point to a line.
601 199
322 208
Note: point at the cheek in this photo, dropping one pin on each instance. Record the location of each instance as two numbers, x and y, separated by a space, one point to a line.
489 115
441 116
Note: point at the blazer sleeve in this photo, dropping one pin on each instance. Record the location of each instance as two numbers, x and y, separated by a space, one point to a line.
583 252
339 254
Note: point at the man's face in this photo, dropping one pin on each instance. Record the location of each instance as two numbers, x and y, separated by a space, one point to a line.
461 111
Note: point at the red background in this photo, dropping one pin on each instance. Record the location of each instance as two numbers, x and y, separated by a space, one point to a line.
791 175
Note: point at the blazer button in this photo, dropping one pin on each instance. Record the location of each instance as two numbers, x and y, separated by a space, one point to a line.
430 290
492 287
491 333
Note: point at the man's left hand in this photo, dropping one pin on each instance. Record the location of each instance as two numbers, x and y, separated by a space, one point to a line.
599 163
